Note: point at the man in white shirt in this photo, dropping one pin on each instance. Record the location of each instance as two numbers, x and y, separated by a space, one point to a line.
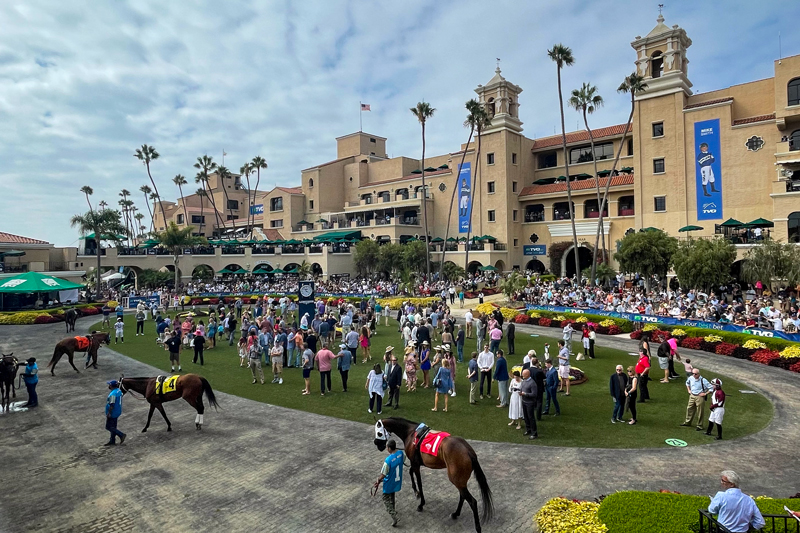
468 319
485 364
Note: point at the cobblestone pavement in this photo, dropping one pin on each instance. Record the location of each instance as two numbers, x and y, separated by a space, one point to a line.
257 467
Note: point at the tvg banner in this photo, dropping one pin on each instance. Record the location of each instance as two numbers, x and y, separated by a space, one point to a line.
464 185
708 169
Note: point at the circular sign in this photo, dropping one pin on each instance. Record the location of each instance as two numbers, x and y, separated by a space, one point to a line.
306 291
676 442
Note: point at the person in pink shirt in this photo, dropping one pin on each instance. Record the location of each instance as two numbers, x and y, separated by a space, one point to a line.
495 336
323 361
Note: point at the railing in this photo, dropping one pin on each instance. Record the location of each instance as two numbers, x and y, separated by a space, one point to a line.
451 247
595 214
774 523
315 249
792 185
534 217
232 250
14 268
203 250
340 249
382 221
409 221
624 212
475 246
263 250
501 247
94 252
293 249
561 216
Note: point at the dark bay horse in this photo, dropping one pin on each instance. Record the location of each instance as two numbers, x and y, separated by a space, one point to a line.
70 316
8 373
70 345
455 454
190 387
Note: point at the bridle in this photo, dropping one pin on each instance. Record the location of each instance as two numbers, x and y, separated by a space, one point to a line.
125 391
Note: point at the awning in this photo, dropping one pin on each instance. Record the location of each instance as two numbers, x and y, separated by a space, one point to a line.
12 253
626 169
437 239
104 237
544 181
731 223
35 282
690 228
761 223
225 271
240 271
488 268
338 235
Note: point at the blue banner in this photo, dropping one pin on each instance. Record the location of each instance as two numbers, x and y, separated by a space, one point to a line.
133 301
257 209
708 170
669 321
534 249
464 185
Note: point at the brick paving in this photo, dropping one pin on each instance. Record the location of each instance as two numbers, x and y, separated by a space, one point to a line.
257 467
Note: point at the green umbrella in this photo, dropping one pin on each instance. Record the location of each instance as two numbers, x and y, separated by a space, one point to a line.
443 167
240 271
731 223
650 229
277 271
544 181
760 223
261 269
690 228
603 173
489 268
418 171
304 223
452 239
35 282
105 237
12 253
234 242
583 175
322 221
292 241
488 238
430 169
225 271
626 169
437 239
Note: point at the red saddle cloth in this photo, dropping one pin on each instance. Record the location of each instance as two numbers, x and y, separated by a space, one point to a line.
83 343
432 441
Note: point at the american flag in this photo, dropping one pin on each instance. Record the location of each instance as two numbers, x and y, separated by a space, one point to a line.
365 107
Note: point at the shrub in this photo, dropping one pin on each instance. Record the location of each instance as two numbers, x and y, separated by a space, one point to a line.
582 320
725 348
712 338
678 332
636 335
564 323
46 319
651 512
607 323
650 327
790 351
659 336
614 330
561 515
485 308
544 322
509 313
753 344
534 314
742 353
784 362
764 356
795 368
86 311
522 318
692 343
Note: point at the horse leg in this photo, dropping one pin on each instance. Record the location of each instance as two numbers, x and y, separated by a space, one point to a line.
473 503
71 356
160 408
461 499
413 481
149 417
198 405
421 495
54 361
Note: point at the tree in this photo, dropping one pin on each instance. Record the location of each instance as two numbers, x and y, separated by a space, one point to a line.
245 170
152 279
586 100
305 270
390 258
203 272
257 164
141 227
414 256
102 204
125 206
201 193
513 283
88 191
365 257
562 57
704 263
471 105
423 112
147 192
603 273
223 173
104 224
772 261
206 165
647 252
176 239
482 121
147 154
180 181
453 272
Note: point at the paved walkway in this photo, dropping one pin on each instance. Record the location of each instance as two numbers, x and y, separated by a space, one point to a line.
257 467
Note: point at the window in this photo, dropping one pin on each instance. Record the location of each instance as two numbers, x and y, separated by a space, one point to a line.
372 153
660 204
197 219
590 209
626 206
372 140
310 184
794 227
656 65
516 243
491 215
385 196
630 146
794 92
513 186
534 213
513 159
490 159
490 187
658 166
548 160
561 210
180 219
233 204
311 205
794 140
582 154
276 223
233 217
658 129
514 214
276 204
367 198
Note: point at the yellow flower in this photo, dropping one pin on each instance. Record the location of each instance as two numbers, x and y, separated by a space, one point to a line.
712 338
650 327
582 319
607 323
535 314
678 332
560 515
791 351
753 344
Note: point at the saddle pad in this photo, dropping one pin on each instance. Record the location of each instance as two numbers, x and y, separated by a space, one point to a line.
83 343
166 384
432 441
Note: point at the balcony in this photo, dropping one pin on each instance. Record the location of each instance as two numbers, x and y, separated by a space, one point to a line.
534 216
595 214
793 185
626 212
263 250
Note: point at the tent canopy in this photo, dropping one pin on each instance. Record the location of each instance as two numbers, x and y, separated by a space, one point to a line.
35 282
332 236
104 237
12 253
690 228
731 223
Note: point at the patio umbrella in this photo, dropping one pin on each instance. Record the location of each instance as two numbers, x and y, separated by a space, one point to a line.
241 271
731 223
304 223
760 223
690 228
443 167
626 169
488 238
437 239
12 253
35 282
292 241
225 271
104 237
430 169
277 271
452 239
544 181
650 229
418 171
583 175
322 221
488 268
603 173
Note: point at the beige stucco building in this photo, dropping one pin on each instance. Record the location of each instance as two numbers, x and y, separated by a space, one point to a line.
518 198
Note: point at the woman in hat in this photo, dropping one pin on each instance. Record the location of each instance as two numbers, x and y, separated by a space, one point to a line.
387 359
425 364
451 360
443 383
31 377
411 369
717 409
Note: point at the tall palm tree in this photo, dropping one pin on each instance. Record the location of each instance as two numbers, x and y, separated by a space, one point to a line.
423 112
562 57
140 226
147 192
126 215
482 121
223 174
201 193
147 154
632 85
471 105
245 170
180 181
304 270
257 164
207 166
104 224
586 100
102 205
154 199
88 191
176 239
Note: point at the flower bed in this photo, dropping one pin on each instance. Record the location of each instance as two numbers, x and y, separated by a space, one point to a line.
561 515
21 318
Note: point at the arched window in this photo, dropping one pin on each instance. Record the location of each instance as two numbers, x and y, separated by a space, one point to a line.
561 210
626 206
490 107
794 92
794 227
311 183
794 140
656 65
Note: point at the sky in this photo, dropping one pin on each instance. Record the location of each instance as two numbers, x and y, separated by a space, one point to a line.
84 83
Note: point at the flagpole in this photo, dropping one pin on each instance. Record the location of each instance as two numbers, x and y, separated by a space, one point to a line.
360 120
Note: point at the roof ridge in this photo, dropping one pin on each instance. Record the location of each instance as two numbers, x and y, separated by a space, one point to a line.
11 238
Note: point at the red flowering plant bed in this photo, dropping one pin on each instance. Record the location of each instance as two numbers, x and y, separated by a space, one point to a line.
636 335
795 368
784 362
86 311
47 319
565 323
614 330
764 356
693 343
725 348
660 336
522 318
545 322
742 353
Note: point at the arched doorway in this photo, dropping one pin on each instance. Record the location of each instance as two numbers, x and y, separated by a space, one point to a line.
473 267
316 270
534 265
568 262
202 273
500 266
736 271
794 227
291 266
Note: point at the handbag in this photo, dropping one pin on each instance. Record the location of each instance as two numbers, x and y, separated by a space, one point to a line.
437 380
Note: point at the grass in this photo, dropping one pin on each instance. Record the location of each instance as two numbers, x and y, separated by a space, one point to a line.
585 414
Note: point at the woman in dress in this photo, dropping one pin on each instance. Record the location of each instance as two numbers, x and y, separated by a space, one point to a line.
374 387
425 364
448 354
443 383
411 371
363 341
515 404
630 393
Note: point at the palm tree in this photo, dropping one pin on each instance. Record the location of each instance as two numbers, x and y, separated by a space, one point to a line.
245 170
147 192
633 85
423 112
472 106
257 163
482 121
222 174
102 204
586 101
126 205
176 239
206 165
562 57
304 270
180 181
146 154
88 191
154 199
201 193
104 224
141 227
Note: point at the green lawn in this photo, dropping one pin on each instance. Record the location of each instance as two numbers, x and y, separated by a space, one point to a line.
585 414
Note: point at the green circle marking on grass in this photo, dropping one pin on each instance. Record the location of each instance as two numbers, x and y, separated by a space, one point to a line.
677 443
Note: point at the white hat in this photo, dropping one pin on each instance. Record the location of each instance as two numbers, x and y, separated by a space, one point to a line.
342 346
388 349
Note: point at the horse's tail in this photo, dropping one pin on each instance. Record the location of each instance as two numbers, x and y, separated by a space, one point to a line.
212 400
56 353
486 492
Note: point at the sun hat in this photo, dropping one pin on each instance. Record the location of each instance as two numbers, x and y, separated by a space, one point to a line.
388 349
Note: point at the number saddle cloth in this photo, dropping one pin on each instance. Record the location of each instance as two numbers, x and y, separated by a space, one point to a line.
83 343
428 441
166 384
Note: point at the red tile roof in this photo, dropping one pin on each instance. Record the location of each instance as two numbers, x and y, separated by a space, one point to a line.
291 190
622 179
9 238
272 234
710 102
751 120
578 136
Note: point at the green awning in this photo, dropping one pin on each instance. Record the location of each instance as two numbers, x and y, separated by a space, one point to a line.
626 169
304 223
731 223
761 223
690 228
12 253
292 241
334 235
240 271
234 242
603 173
488 268
430 169
443 167
418 171
35 282
544 181
225 271
452 239
437 239
104 237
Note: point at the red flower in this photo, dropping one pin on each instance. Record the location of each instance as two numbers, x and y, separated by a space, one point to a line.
795 368
544 322
614 330
764 356
636 335
725 348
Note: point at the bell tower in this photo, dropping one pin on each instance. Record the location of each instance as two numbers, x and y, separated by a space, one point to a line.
661 60
501 100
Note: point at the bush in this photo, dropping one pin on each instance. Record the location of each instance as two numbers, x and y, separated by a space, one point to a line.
742 353
614 330
692 343
561 515
636 335
509 313
545 322
764 356
795 368
753 344
790 352
678 332
522 318
725 348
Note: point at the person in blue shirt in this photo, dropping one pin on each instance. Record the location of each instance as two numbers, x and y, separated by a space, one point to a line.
31 377
501 377
392 478
735 510
119 310
344 362
113 411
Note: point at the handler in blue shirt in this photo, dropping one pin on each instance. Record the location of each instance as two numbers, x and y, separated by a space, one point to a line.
113 411
31 377
734 510
392 478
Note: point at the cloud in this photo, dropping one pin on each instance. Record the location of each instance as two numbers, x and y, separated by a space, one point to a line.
82 84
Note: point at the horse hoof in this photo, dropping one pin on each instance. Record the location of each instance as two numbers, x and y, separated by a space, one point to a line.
419 509
169 428
454 516
144 430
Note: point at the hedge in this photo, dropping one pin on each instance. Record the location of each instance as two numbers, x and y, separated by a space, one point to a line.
45 316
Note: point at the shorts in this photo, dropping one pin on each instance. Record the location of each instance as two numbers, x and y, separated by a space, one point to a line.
173 356
663 363
306 373
277 364
563 371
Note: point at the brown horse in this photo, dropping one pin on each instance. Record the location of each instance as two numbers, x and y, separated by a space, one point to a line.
455 454
190 387
70 345
8 372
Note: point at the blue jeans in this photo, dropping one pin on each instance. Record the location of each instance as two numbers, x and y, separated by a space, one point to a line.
33 398
494 345
231 336
111 426
290 356
552 394
460 349
619 409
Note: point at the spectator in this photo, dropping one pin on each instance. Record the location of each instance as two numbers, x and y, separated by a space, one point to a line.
617 385
592 339
276 357
252 348
323 359
140 318
468 319
501 376
31 377
642 371
495 336
515 405
551 384
198 343
510 334
472 376
563 366
528 394
630 393
735 511
173 344
566 335
308 366
119 328
392 478
538 376
460 343
697 387
374 388
485 364
394 378
343 364
443 383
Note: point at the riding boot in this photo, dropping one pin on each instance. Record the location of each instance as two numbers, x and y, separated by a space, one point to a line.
713 189
705 191
719 432
710 427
